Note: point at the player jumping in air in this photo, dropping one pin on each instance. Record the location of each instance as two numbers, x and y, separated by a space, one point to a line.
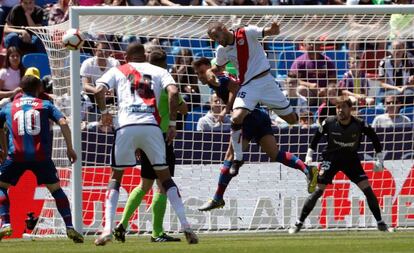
29 148
245 51
257 126
344 133
138 86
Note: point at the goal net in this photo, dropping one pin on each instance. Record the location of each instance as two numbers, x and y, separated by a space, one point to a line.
355 51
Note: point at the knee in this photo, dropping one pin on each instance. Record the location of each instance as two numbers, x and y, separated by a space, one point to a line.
11 39
53 187
237 119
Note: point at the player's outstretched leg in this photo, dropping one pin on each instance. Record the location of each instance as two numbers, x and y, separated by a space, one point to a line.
224 180
307 209
159 205
374 206
293 161
63 207
134 200
5 228
176 202
112 196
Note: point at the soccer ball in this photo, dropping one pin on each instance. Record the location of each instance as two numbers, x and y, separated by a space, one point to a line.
73 39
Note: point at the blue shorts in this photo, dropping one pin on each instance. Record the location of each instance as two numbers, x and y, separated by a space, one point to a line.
45 171
256 125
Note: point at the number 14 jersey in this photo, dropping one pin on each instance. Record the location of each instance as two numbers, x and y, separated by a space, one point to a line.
27 120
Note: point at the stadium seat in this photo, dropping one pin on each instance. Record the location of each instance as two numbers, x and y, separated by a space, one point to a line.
341 61
280 46
83 57
39 61
285 60
408 111
203 52
181 43
43 3
192 118
368 114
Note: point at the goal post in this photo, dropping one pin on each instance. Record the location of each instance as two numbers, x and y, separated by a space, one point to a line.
265 196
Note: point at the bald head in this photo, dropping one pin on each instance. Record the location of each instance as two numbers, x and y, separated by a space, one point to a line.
215 26
135 52
218 32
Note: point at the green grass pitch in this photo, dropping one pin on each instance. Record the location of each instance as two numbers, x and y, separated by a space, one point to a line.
305 242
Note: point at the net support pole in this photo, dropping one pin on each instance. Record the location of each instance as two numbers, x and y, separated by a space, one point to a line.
75 85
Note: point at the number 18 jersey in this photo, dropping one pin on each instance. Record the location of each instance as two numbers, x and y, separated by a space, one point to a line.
138 86
27 120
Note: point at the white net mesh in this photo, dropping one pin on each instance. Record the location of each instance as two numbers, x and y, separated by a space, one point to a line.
265 196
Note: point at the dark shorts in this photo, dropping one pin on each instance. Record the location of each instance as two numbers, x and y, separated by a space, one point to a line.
350 165
147 171
256 125
45 171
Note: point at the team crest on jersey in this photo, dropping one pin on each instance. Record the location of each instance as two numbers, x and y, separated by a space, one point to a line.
240 42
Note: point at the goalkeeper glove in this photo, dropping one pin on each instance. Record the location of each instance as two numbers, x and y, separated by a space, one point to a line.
379 162
309 156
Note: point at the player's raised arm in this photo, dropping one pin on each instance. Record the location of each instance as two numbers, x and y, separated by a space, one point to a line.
379 155
314 143
64 127
274 29
172 91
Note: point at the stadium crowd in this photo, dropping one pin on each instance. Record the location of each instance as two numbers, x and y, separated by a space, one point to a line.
311 81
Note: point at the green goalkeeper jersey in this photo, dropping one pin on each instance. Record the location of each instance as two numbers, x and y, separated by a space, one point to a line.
164 110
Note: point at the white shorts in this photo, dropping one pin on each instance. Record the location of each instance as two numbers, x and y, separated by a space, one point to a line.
263 90
129 138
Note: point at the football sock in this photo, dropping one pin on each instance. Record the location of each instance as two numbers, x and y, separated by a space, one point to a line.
4 207
111 201
224 180
372 203
176 202
63 206
159 205
134 200
292 161
310 203
236 141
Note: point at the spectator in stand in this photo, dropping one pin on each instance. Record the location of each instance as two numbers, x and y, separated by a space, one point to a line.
24 14
92 69
392 116
88 2
396 73
11 73
314 71
354 84
184 75
306 120
328 107
5 7
59 12
143 2
297 101
96 66
210 121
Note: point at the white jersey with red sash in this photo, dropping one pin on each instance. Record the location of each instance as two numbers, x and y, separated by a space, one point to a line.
138 87
246 53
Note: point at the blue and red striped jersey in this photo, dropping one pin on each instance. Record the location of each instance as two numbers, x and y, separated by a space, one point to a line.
27 119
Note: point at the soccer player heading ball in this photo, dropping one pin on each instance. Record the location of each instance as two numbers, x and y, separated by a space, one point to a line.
244 50
344 137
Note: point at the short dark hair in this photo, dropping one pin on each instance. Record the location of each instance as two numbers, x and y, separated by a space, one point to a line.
135 49
214 25
158 57
343 99
201 61
30 84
